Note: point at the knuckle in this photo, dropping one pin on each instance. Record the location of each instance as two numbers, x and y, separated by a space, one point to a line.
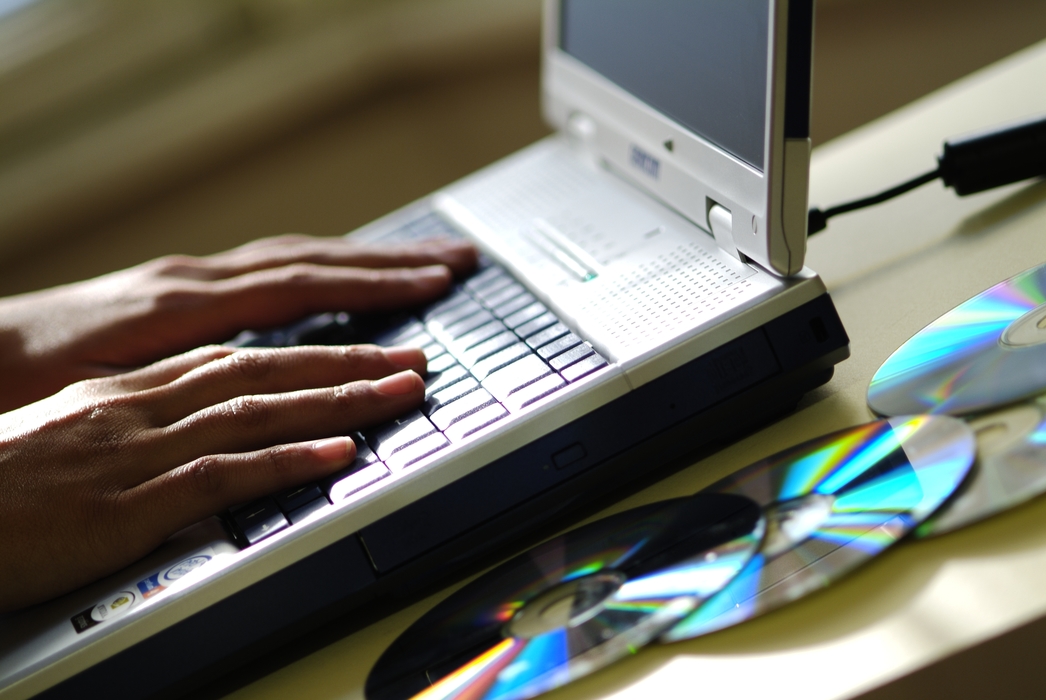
251 365
281 459
247 412
180 297
175 265
205 475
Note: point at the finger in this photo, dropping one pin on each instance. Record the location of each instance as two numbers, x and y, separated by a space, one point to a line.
255 422
210 484
458 255
265 371
269 298
154 375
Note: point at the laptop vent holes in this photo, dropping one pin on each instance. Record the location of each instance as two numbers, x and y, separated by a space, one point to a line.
670 293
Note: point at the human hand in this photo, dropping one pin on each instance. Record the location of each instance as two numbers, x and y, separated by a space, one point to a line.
103 472
117 322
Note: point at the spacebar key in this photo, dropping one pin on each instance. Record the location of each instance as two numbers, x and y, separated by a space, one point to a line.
389 438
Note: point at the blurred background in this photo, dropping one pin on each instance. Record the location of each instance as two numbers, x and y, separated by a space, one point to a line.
134 128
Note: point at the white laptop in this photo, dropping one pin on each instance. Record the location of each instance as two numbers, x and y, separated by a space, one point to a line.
642 299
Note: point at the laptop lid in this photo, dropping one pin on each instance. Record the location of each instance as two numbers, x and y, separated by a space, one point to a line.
705 104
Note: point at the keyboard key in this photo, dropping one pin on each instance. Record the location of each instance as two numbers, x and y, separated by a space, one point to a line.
438 381
295 498
528 313
433 350
475 337
485 367
488 279
546 336
559 346
515 376
584 368
418 451
442 363
559 362
389 438
475 422
347 482
466 325
259 521
538 324
494 299
418 340
447 304
488 348
440 399
399 334
456 410
299 514
530 393
451 316
513 305
364 454
326 329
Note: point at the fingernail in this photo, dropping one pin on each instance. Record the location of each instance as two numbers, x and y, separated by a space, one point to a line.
397 384
432 276
334 449
405 358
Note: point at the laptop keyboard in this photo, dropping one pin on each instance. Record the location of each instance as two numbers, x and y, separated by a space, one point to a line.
493 349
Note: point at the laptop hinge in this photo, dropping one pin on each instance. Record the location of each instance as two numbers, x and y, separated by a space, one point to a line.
720 220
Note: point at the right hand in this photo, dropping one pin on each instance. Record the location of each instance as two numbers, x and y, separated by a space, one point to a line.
101 473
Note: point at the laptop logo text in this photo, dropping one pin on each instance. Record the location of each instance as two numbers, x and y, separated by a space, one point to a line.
646 162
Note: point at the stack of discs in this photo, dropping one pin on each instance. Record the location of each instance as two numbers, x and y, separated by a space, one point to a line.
771 533
985 360
573 604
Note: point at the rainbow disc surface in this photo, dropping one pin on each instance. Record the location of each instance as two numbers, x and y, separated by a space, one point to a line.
832 504
573 604
1010 468
986 352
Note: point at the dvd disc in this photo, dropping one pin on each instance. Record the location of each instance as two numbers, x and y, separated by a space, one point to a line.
832 504
573 604
986 352
1010 467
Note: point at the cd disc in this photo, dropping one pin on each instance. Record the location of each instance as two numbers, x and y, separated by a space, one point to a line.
986 352
832 504
1010 467
573 604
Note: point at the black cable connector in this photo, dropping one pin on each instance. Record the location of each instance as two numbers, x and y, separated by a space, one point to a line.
968 165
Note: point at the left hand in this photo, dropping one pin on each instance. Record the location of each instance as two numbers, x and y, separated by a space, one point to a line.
127 319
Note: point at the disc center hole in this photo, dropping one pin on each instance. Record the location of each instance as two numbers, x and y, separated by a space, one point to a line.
566 604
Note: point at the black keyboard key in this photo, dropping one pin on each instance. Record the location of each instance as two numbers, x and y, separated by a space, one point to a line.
524 396
474 422
527 313
559 346
559 362
389 438
584 368
487 366
348 481
487 348
515 376
453 412
538 324
364 454
542 338
261 519
328 329
295 498
417 453
299 514
493 299
442 363
399 334
438 381
513 305
453 392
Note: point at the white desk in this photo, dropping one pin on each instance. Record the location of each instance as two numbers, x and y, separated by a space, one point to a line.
891 270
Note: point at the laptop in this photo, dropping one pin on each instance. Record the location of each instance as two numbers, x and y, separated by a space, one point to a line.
641 298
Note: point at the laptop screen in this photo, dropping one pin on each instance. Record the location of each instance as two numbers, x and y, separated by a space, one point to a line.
702 63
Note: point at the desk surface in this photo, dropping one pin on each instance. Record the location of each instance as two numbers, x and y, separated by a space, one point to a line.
891 270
